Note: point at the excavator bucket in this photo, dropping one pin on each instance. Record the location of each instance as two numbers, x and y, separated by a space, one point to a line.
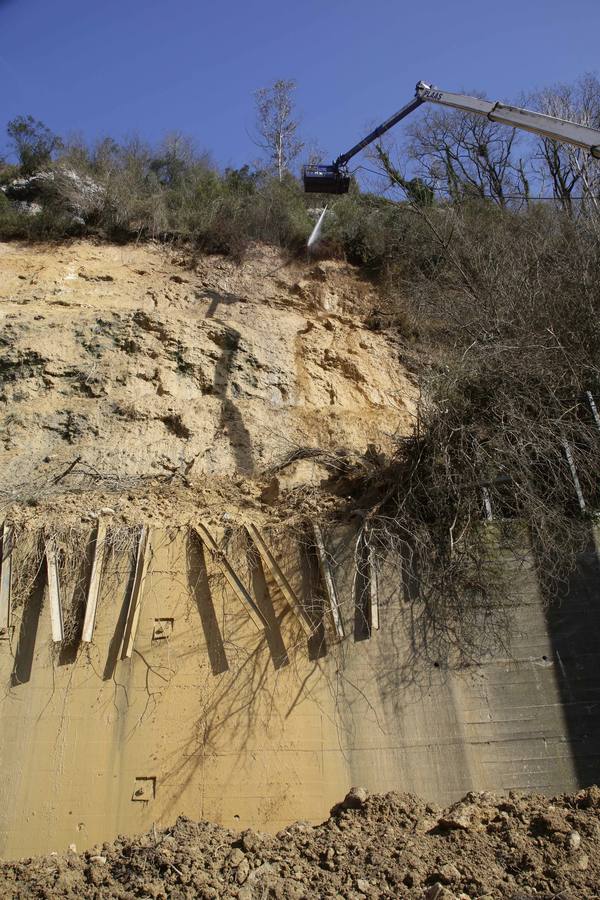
325 180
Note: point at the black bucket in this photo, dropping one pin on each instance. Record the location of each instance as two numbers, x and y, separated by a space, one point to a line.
325 180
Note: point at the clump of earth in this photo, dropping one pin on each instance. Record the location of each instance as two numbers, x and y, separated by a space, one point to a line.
393 845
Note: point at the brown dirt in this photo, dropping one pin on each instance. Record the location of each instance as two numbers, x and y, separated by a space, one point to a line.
126 371
391 845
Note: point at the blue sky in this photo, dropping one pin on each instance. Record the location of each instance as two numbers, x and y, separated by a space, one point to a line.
121 67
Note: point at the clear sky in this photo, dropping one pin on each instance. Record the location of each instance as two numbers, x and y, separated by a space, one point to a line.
151 66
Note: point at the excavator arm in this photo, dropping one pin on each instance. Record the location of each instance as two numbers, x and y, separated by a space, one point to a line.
335 179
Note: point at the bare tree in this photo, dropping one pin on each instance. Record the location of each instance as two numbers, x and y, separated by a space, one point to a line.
572 173
276 126
460 155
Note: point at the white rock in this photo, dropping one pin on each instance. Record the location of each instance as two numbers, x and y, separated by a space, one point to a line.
574 840
236 856
243 870
355 798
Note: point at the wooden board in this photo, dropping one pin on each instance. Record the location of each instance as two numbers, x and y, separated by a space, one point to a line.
373 589
328 582
137 588
94 587
6 577
281 581
228 571
574 475
594 408
56 617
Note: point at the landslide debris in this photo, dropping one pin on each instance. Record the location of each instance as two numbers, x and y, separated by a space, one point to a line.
391 845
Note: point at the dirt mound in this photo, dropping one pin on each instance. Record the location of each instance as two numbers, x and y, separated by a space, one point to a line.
142 368
391 845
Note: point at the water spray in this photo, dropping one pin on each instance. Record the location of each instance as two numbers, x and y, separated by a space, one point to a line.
316 232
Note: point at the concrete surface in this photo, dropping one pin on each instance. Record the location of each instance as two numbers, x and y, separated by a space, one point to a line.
250 728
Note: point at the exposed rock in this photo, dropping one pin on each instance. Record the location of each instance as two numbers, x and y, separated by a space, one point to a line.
251 840
437 891
449 873
243 870
355 798
29 208
236 857
574 840
76 191
150 374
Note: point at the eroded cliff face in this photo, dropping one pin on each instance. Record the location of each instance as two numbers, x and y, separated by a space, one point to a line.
145 369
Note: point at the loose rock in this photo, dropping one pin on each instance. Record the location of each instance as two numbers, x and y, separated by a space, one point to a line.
355 798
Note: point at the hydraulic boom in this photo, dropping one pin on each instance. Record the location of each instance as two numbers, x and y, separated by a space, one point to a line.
335 179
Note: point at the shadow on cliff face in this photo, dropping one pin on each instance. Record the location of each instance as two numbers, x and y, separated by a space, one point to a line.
572 610
242 693
231 421
199 586
28 630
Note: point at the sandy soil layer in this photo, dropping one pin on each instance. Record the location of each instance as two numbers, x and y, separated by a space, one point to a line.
391 845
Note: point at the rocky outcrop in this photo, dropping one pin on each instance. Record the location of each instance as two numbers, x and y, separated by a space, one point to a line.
77 193
146 368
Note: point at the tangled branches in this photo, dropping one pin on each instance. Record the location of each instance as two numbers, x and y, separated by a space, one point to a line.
506 428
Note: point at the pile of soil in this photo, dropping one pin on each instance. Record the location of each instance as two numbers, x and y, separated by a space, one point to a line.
391 845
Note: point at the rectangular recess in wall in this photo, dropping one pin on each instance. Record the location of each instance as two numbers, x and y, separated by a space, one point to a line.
94 588
231 575
56 616
137 589
144 788
6 578
163 629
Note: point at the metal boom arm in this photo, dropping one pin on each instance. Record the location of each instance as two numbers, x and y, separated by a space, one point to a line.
381 129
335 178
538 123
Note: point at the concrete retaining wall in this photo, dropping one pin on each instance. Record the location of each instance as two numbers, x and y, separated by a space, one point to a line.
258 728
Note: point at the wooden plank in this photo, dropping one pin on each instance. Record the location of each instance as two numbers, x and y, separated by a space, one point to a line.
488 512
282 583
329 583
373 588
137 588
94 587
594 408
6 576
574 475
228 571
56 616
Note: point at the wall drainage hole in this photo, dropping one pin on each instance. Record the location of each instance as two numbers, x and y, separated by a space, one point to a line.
163 629
144 789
